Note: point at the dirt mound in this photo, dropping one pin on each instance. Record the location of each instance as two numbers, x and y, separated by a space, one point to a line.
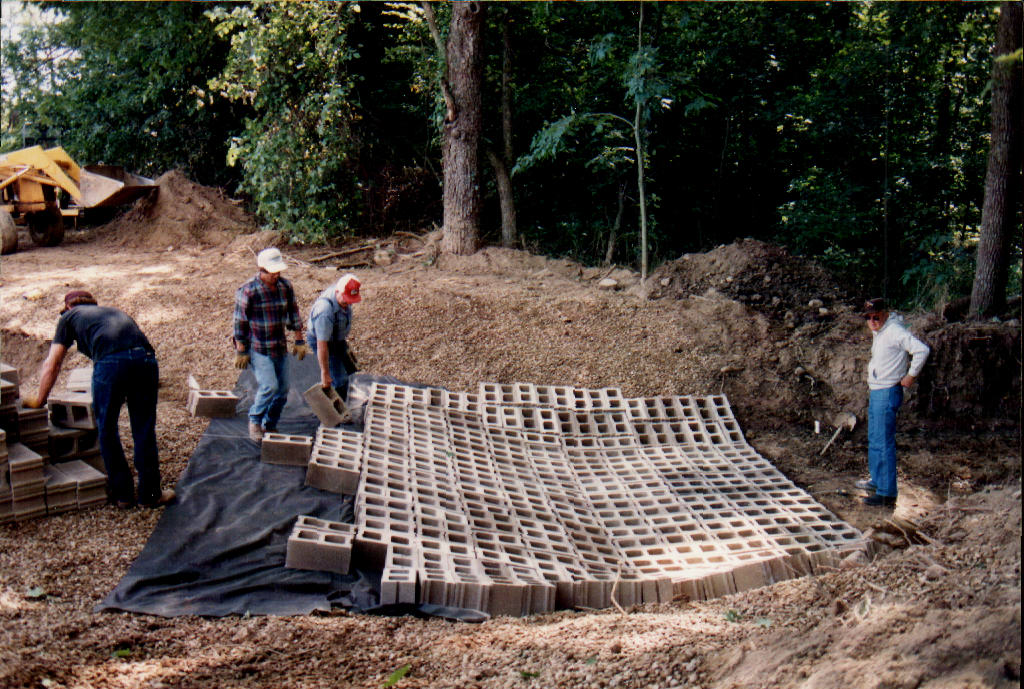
763 276
180 213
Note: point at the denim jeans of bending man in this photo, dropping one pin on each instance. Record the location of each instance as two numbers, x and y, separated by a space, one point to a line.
882 408
271 389
131 377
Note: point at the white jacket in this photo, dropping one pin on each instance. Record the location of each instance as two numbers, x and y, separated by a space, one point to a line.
892 348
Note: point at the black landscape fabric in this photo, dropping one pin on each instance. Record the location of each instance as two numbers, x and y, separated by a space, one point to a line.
219 548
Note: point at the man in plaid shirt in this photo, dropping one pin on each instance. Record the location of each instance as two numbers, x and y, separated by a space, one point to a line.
264 308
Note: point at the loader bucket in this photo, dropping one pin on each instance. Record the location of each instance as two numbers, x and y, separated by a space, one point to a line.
110 185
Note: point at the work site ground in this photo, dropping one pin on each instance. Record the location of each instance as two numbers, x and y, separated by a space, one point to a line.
939 606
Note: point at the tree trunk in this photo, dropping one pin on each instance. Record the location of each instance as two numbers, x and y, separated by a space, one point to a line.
508 205
1002 181
613 234
509 231
462 130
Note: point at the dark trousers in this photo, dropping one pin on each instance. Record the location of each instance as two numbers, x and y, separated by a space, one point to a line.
128 377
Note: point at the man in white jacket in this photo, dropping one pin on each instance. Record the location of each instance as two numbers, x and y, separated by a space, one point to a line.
897 358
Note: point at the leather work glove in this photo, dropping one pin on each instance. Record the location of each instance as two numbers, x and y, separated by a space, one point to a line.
300 350
31 403
241 359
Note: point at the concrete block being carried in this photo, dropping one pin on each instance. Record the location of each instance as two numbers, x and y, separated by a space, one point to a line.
328 406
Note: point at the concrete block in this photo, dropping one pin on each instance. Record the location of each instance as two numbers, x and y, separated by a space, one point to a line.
91 484
8 393
80 379
6 506
72 410
281 448
25 467
212 403
327 405
318 550
9 373
61 491
332 474
71 443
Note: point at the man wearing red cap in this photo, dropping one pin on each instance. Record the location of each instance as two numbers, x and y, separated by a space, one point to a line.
330 320
124 371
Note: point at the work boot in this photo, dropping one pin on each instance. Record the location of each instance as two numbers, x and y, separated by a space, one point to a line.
877 500
270 428
255 432
865 484
166 495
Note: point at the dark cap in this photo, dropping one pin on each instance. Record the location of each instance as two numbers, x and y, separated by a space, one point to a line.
876 305
76 297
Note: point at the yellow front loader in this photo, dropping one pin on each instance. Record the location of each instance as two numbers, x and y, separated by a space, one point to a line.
33 180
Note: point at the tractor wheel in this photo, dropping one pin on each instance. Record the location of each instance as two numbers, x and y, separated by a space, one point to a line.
9 233
46 227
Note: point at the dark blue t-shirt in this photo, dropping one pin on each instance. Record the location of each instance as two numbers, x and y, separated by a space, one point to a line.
99 331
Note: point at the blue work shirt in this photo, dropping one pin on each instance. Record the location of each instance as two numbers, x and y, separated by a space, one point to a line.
329 321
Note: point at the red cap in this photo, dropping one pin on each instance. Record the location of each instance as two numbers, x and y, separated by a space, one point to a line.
76 297
348 285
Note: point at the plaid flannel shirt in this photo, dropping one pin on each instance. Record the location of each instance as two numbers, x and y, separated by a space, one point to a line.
261 315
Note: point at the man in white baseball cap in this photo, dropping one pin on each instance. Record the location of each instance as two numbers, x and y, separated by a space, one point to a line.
330 320
265 308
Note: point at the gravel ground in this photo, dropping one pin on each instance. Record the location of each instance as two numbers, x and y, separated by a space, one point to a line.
942 613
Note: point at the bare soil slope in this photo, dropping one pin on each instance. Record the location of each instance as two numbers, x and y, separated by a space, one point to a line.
944 612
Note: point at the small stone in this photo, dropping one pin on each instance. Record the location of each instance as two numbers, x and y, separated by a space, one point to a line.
823 311
665 282
608 284
815 303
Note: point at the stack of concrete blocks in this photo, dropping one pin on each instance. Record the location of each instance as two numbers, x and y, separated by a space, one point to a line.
34 430
6 506
27 481
320 545
282 448
9 393
90 484
67 444
334 463
520 499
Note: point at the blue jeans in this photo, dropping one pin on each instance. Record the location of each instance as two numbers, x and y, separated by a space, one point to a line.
339 375
882 408
271 389
130 376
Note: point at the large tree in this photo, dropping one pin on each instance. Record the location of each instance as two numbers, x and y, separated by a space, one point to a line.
462 124
999 217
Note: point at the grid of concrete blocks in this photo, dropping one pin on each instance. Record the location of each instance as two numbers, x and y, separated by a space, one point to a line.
46 468
521 499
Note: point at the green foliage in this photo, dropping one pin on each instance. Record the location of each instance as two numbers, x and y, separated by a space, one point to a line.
398 674
297 151
123 84
856 133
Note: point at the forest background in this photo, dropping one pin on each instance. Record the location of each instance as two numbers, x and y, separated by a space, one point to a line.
856 133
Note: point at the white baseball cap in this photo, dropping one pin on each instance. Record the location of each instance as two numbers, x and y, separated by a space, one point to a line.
271 260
